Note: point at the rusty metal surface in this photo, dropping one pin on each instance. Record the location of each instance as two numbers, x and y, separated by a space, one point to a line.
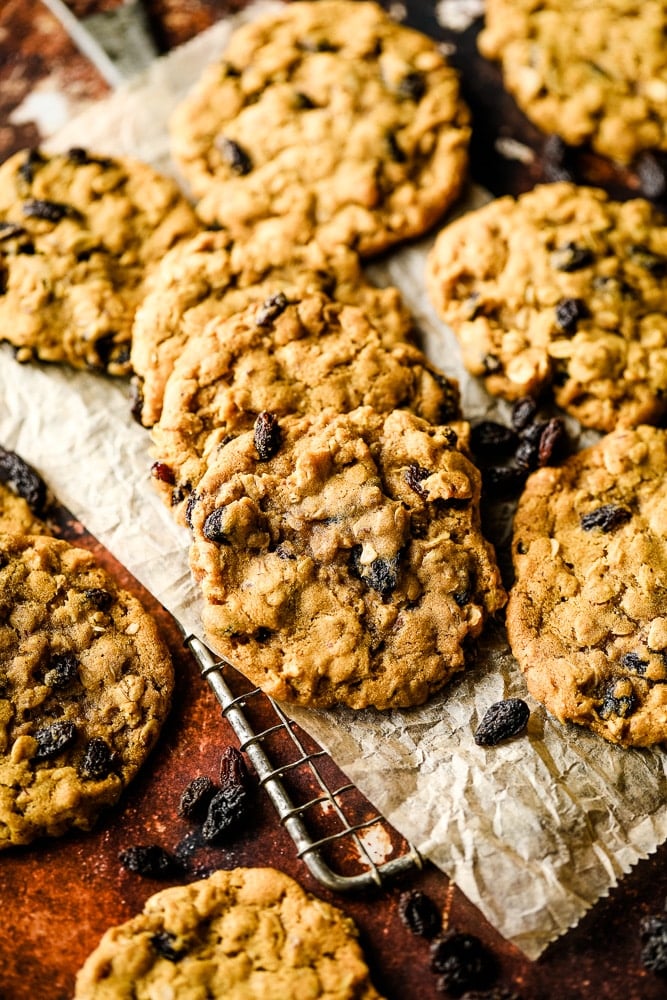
58 897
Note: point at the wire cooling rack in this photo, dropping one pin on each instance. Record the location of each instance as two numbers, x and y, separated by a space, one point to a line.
335 831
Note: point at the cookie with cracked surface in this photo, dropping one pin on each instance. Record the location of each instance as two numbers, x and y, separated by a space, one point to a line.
561 288
341 558
333 114
589 72
244 934
85 685
78 236
292 359
213 276
587 615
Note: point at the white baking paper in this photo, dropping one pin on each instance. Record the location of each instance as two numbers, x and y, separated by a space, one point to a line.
533 831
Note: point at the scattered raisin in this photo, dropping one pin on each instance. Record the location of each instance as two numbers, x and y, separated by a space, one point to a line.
419 913
524 411
559 160
571 257
462 962
606 518
397 154
632 661
196 797
501 482
267 435
149 860
271 308
380 574
235 156
568 314
63 669
99 760
50 211
653 933
552 441
412 86
164 944
652 174
23 479
227 811
502 720
496 993
99 598
414 475
489 439
52 739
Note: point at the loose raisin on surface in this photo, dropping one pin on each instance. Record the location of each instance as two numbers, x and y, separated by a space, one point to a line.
233 769
236 158
496 993
196 798
414 476
271 308
502 720
267 435
23 479
149 860
419 913
552 442
396 153
652 174
165 945
99 760
634 662
380 574
568 314
462 962
560 162
51 740
606 518
99 598
653 933
227 811
571 257
62 670
490 439
50 211
412 86
524 411
502 482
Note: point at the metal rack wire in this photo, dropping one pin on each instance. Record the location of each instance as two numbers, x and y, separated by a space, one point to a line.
332 803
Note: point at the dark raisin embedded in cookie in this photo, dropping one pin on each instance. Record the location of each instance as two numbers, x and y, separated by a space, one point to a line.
380 574
501 721
412 86
619 700
606 518
99 760
267 435
634 662
234 156
31 164
414 476
571 257
271 308
99 598
647 260
52 740
166 945
42 208
214 525
490 439
396 152
568 314
23 479
62 670
419 913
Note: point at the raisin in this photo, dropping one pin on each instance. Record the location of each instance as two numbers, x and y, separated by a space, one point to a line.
652 174
235 156
149 860
164 944
232 767
653 933
317 45
50 211
568 314
524 411
501 482
552 441
571 257
163 473
267 435
271 309
27 249
528 453
419 913
63 669
471 306
136 400
412 86
99 760
492 364
52 739
559 160
462 962
213 526
303 102
23 479
502 720
414 475
496 993
227 811
488 439
99 598
80 157
8 230
632 661
621 706
648 261
462 597
196 797
33 161
380 574
396 153
607 518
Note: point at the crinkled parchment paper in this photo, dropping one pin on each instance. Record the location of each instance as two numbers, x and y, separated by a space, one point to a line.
533 831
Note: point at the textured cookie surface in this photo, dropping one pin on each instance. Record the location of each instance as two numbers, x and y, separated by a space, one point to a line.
16 517
85 684
589 72
245 934
341 559
289 359
212 276
561 287
78 236
587 616
333 114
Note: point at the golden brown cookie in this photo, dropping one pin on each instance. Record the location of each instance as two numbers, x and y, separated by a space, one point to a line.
588 72
332 114
245 934
78 236
16 517
85 685
587 616
561 288
341 558
292 359
213 276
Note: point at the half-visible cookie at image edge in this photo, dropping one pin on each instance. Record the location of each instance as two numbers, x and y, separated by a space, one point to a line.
587 615
79 234
291 359
213 276
244 934
561 289
85 686
330 113
588 72
340 558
